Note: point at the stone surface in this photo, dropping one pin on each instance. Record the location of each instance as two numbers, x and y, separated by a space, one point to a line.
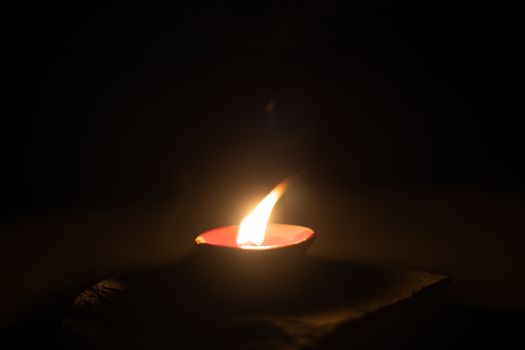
329 304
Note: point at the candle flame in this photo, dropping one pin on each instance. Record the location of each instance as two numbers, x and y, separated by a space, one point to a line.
253 227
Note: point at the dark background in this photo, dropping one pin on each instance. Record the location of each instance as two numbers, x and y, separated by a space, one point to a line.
121 100
402 119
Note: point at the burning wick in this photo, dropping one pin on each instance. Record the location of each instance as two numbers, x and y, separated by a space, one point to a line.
253 227
254 232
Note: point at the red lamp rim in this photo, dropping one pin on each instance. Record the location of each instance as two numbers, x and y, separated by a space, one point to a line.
278 236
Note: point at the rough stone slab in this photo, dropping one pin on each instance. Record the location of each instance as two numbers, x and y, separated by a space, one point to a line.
332 305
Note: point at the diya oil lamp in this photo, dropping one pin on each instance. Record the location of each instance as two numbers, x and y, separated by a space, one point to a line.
255 260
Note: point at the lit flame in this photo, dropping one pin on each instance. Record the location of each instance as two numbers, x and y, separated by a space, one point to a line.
253 227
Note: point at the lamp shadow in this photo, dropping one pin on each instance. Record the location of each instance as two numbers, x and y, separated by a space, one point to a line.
184 305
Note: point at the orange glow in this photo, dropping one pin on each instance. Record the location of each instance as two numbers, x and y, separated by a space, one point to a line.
253 227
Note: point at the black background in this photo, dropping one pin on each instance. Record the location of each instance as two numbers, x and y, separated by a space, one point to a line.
119 100
116 103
